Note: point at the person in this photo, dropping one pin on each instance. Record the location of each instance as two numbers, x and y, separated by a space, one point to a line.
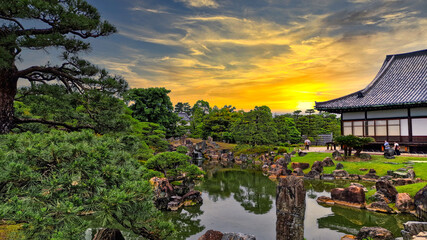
307 143
386 145
396 149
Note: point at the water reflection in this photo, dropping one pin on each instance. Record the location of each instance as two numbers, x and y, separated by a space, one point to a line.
252 190
244 201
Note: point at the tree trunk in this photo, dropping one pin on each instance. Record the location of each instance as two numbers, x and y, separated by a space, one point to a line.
8 85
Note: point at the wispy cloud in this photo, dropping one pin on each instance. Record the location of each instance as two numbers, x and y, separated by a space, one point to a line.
200 3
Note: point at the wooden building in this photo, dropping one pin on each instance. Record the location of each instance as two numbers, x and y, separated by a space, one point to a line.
392 107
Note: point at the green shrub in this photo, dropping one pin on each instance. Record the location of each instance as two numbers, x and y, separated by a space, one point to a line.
48 180
182 149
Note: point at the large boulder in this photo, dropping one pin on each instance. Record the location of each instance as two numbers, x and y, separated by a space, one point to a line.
313 174
420 201
388 190
351 194
290 208
237 236
300 165
375 233
327 162
318 166
340 174
336 154
413 228
163 191
404 202
211 235
298 172
389 154
411 174
380 207
339 166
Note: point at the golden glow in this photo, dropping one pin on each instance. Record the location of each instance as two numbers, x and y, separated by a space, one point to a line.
250 62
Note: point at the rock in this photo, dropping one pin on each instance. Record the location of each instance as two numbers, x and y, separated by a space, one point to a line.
420 236
351 194
373 171
365 156
379 197
300 165
402 181
336 154
420 201
363 169
359 185
163 191
411 174
389 154
325 200
404 202
380 207
290 209
318 166
298 172
327 162
413 228
293 152
339 159
211 235
340 173
281 161
313 174
388 190
376 233
237 236
302 154
339 166
108 234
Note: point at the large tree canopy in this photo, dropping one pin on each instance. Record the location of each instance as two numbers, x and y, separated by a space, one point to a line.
41 24
153 105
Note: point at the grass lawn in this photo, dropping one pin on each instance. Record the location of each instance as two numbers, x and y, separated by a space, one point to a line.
377 163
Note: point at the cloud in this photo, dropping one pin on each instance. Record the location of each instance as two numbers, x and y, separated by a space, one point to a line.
146 10
200 3
235 56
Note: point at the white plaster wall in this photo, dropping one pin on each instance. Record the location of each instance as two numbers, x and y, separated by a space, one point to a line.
388 113
419 127
415 112
404 130
353 115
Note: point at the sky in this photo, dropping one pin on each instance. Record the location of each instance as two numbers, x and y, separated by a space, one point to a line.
285 54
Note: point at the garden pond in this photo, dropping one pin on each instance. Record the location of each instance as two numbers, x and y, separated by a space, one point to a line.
245 201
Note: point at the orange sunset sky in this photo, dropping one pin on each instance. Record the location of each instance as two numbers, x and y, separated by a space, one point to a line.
281 53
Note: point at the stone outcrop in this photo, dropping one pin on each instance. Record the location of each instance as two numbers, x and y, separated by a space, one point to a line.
376 233
290 209
336 154
318 166
380 207
340 174
163 192
412 229
211 235
420 201
359 185
404 202
327 162
352 196
300 165
298 172
237 236
325 200
189 199
339 166
387 189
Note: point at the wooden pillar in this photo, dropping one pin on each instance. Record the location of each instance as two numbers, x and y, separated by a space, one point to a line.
409 125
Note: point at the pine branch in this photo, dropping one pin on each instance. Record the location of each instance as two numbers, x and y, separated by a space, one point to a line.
54 123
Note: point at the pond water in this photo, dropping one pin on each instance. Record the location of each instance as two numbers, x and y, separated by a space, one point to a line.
244 201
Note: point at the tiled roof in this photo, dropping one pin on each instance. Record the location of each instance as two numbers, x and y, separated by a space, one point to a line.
402 80
184 116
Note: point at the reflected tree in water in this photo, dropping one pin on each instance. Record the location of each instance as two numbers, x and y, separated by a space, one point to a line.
186 221
252 190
